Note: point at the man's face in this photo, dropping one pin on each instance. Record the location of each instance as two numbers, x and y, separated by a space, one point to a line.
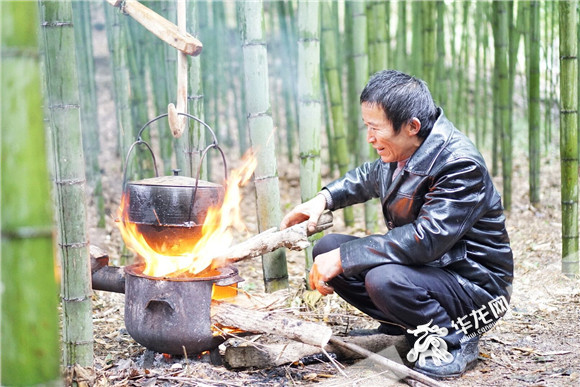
389 145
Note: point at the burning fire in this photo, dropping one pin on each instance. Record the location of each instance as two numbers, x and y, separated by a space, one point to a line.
216 236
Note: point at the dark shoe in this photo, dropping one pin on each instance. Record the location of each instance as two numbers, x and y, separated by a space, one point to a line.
464 359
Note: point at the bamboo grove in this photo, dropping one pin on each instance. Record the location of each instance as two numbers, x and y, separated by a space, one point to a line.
280 77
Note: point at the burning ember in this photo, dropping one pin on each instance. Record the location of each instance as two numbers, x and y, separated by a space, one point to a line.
193 256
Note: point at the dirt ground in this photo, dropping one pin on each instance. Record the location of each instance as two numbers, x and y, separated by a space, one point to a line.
536 344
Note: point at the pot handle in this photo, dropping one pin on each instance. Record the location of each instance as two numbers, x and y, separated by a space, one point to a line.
139 140
229 280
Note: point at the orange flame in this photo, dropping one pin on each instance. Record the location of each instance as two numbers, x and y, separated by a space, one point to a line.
216 236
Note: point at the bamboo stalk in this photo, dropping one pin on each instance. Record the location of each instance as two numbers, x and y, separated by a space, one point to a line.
569 136
534 103
196 138
309 102
69 175
332 74
117 48
501 64
261 129
29 330
429 40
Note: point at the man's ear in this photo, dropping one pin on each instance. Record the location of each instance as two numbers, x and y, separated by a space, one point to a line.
414 125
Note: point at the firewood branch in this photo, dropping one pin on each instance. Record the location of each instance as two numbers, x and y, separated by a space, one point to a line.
294 238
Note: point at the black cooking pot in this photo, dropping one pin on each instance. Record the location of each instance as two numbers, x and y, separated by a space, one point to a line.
170 209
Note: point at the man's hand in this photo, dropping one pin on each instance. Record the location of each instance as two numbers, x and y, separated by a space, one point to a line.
310 210
326 267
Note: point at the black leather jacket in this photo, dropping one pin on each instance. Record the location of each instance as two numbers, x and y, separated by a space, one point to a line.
442 210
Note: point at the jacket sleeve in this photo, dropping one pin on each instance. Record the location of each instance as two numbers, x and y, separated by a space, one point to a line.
358 185
453 204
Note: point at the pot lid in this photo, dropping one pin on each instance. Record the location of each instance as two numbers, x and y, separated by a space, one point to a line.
174 181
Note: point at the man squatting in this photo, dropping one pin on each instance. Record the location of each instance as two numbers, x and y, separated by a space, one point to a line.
446 253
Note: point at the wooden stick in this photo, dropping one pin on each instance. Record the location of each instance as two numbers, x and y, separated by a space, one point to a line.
276 354
159 26
294 238
232 316
398 369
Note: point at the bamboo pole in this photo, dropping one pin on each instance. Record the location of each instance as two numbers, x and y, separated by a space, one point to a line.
158 79
89 106
69 175
29 331
352 99
332 74
501 65
361 65
534 103
416 65
197 135
401 52
117 49
309 103
429 42
261 130
441 72
569 136
289 76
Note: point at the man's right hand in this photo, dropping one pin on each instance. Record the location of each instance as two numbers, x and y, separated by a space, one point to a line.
310 210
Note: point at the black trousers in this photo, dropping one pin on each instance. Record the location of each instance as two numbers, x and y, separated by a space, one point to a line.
403 297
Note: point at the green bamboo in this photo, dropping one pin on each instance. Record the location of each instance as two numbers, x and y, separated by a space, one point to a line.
89 108
518 28
237 80
158 80
137 59
88 88
288 78
309 103
401 52
352 99
569 136
534 113
29 332
429 42
485 94
478 95
195 138
440 92
501 68
276 66
550 9
69 176
461 73
332 73
261 129
416 65
377 35
117 49
452 107
361 66
219 68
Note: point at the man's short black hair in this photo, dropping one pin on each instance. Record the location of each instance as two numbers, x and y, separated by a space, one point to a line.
401 97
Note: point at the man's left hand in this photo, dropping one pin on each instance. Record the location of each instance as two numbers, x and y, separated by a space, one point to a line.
326 267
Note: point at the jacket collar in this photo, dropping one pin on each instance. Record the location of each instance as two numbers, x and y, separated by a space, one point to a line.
421 162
